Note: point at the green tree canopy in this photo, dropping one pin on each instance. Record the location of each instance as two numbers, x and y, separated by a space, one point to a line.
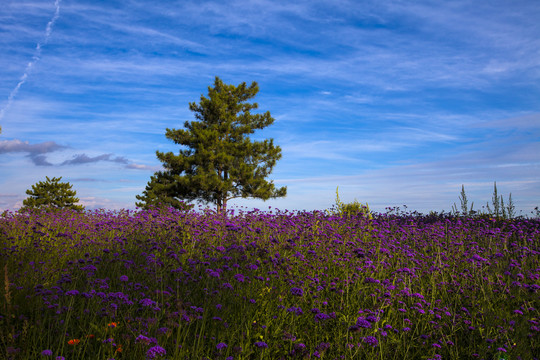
52 193
218 161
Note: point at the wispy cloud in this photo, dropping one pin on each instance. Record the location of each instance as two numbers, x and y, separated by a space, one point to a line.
11 146
143 167
34 151
85 159
35 59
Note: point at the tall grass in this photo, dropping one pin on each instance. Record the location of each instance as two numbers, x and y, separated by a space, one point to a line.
279 285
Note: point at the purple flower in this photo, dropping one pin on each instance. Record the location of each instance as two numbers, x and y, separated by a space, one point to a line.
147 302
371 319
299 348
72 292
362 322
221 346
124 278
297 310
479 258
321 317
239 277
212 273
323 346
155 351
371 340
162 330
60 358
297 291
46 353
143 339
261 344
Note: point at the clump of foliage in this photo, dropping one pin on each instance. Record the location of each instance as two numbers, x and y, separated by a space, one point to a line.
499 210
351 209
219 162
52 193
464 204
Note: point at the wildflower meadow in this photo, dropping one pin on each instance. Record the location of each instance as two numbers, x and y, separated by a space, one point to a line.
167 284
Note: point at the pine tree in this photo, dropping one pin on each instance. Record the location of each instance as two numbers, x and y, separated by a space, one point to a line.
52 193
219 162
160 192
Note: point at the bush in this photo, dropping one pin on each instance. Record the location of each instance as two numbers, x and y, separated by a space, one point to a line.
352 209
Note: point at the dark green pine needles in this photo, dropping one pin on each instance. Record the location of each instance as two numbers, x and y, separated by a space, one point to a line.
218 161
52 193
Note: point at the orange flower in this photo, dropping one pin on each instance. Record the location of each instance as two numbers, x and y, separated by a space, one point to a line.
74 341
112 325
119 348
91 336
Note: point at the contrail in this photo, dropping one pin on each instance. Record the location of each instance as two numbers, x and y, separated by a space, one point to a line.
35 59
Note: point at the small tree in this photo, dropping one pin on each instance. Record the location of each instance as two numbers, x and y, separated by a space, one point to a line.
219 162
52 193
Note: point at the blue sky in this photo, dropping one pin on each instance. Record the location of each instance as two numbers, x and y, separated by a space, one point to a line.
396 102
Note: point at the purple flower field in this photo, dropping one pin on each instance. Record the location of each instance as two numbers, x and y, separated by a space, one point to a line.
267 285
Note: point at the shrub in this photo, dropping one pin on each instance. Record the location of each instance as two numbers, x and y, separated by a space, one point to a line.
351 209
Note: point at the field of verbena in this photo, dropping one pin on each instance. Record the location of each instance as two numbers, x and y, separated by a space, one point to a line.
169 285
